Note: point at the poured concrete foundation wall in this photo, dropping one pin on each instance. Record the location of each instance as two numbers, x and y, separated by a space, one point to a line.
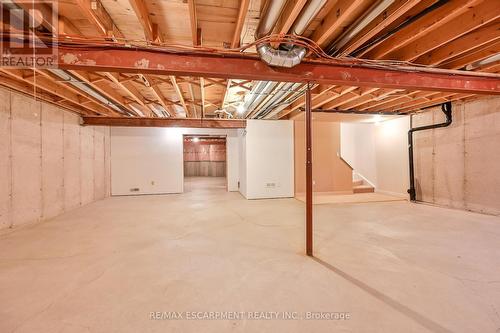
49 164
458 166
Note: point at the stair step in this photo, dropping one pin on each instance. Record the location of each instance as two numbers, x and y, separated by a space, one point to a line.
357 182
363 189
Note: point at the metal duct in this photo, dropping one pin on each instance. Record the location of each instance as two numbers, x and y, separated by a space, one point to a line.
354 29
289 56
281 58
269 86
87 89
284 90
296 90
292 55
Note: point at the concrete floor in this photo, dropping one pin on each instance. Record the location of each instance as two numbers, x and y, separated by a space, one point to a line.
322 198
393 266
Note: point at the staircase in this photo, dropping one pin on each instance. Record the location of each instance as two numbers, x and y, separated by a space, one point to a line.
360 186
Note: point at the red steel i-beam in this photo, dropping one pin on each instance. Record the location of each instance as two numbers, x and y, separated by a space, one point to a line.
309 187
250 67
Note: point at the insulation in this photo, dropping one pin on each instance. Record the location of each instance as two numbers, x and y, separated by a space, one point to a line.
5 170
71 161
99 164
52 161
26 162
41 147
87 164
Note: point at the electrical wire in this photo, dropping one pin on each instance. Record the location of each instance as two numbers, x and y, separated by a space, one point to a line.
317 54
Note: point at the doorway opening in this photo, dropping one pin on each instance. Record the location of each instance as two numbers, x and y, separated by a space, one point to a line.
205 166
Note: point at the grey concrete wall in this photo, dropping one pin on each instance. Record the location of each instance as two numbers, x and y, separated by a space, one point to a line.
49 164
459 166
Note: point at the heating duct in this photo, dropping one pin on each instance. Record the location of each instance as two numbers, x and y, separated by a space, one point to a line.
287 55
269 110
273 94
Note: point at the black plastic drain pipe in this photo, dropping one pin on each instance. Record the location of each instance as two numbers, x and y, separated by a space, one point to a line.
446 108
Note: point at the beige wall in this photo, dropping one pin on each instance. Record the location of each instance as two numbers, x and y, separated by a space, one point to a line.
330 173
49 164
459 166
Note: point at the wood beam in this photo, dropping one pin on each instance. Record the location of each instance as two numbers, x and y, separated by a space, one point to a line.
95 104
321 99
66 27
242 13
474 18
158 94
290 14
179 94
343 13
95 12
349 97
382 21
423 26
103 87
472 57
475 39
50 87
193 102
45 11
347 72
164 122
141 11
193 22
128 89
30 90
196 39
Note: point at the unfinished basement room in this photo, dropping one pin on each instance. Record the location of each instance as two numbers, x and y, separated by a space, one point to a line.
250 166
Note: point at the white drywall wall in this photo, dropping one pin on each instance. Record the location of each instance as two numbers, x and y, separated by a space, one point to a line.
242 162
379 153
49 164
233 162
357 147
391 152
151 159
268 157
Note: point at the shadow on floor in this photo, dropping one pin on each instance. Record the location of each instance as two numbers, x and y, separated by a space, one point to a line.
401 308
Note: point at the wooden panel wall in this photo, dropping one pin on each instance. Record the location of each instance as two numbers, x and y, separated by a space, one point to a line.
204 160
330 173
49 164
